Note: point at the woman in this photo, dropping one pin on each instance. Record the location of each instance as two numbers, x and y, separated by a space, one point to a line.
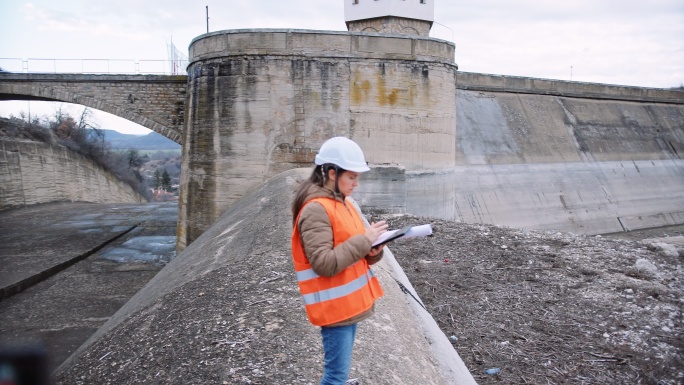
332 253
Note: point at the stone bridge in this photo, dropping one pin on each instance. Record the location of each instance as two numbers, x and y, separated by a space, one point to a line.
156 102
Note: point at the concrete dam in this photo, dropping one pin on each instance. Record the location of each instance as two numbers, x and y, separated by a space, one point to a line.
590 159
521 152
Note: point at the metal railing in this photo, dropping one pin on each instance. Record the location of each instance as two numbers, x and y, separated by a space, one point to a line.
94 66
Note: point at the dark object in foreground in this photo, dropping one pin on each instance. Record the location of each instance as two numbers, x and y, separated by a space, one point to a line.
24 365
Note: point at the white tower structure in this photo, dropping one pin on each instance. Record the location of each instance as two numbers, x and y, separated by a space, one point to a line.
408 17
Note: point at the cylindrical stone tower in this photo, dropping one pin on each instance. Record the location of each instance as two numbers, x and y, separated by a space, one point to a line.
263 101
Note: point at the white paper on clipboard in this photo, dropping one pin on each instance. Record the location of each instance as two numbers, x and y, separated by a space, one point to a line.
406 232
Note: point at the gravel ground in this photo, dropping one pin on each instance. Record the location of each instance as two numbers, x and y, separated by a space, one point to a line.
532 307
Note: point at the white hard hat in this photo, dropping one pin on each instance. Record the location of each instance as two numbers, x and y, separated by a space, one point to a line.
344 153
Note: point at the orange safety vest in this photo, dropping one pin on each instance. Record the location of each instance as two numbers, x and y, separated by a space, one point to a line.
329 300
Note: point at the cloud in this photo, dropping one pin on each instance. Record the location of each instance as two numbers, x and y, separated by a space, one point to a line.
620 42
630 42
84 24
45 19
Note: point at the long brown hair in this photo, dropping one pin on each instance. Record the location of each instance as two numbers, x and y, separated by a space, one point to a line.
316 178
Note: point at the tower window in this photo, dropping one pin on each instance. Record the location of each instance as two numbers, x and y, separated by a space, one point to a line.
422 1
355 2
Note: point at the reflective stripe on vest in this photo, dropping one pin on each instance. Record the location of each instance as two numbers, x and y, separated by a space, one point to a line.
337 292
329 300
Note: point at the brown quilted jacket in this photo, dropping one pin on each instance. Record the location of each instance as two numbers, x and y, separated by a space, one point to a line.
316 235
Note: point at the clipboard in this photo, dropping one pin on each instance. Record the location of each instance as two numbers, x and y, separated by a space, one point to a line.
390 236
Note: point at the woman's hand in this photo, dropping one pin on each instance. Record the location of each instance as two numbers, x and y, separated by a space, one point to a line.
375 230
375 251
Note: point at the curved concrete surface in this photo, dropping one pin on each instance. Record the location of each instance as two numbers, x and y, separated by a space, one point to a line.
262 101
228 310
551 162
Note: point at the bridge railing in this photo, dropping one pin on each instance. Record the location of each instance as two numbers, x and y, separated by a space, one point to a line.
94 66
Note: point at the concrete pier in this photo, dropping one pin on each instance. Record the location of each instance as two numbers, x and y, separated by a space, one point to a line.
262 101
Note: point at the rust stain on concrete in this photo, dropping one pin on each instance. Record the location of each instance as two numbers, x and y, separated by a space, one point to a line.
359 91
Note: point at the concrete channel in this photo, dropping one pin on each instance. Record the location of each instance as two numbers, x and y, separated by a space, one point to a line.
65 268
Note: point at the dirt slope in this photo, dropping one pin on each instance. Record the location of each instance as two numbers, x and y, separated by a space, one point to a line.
551 308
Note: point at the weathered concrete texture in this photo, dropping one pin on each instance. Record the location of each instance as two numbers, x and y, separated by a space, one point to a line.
385 188
550 162
153 101
228 310
59 256
585 198
391 25
525 85
317 44
567 163
509 128
34 172
261 102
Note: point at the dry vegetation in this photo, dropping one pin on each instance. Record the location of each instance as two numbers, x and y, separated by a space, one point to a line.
551 308
81 137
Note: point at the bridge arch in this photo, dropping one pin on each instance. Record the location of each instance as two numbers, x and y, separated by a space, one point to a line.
152 101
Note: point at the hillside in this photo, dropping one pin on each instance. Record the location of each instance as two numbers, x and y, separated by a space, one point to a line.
151 141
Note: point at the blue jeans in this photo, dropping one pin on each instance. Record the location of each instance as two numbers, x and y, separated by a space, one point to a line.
337 347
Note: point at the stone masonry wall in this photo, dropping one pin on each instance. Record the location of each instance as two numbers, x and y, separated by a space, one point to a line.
153 101
34 172
392 25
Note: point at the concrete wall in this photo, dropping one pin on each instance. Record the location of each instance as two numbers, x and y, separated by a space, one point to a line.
524 85
523 152
529 156
34 172
586 157
153 101
263 101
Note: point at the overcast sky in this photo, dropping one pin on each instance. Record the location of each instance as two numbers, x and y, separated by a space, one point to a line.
624 42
